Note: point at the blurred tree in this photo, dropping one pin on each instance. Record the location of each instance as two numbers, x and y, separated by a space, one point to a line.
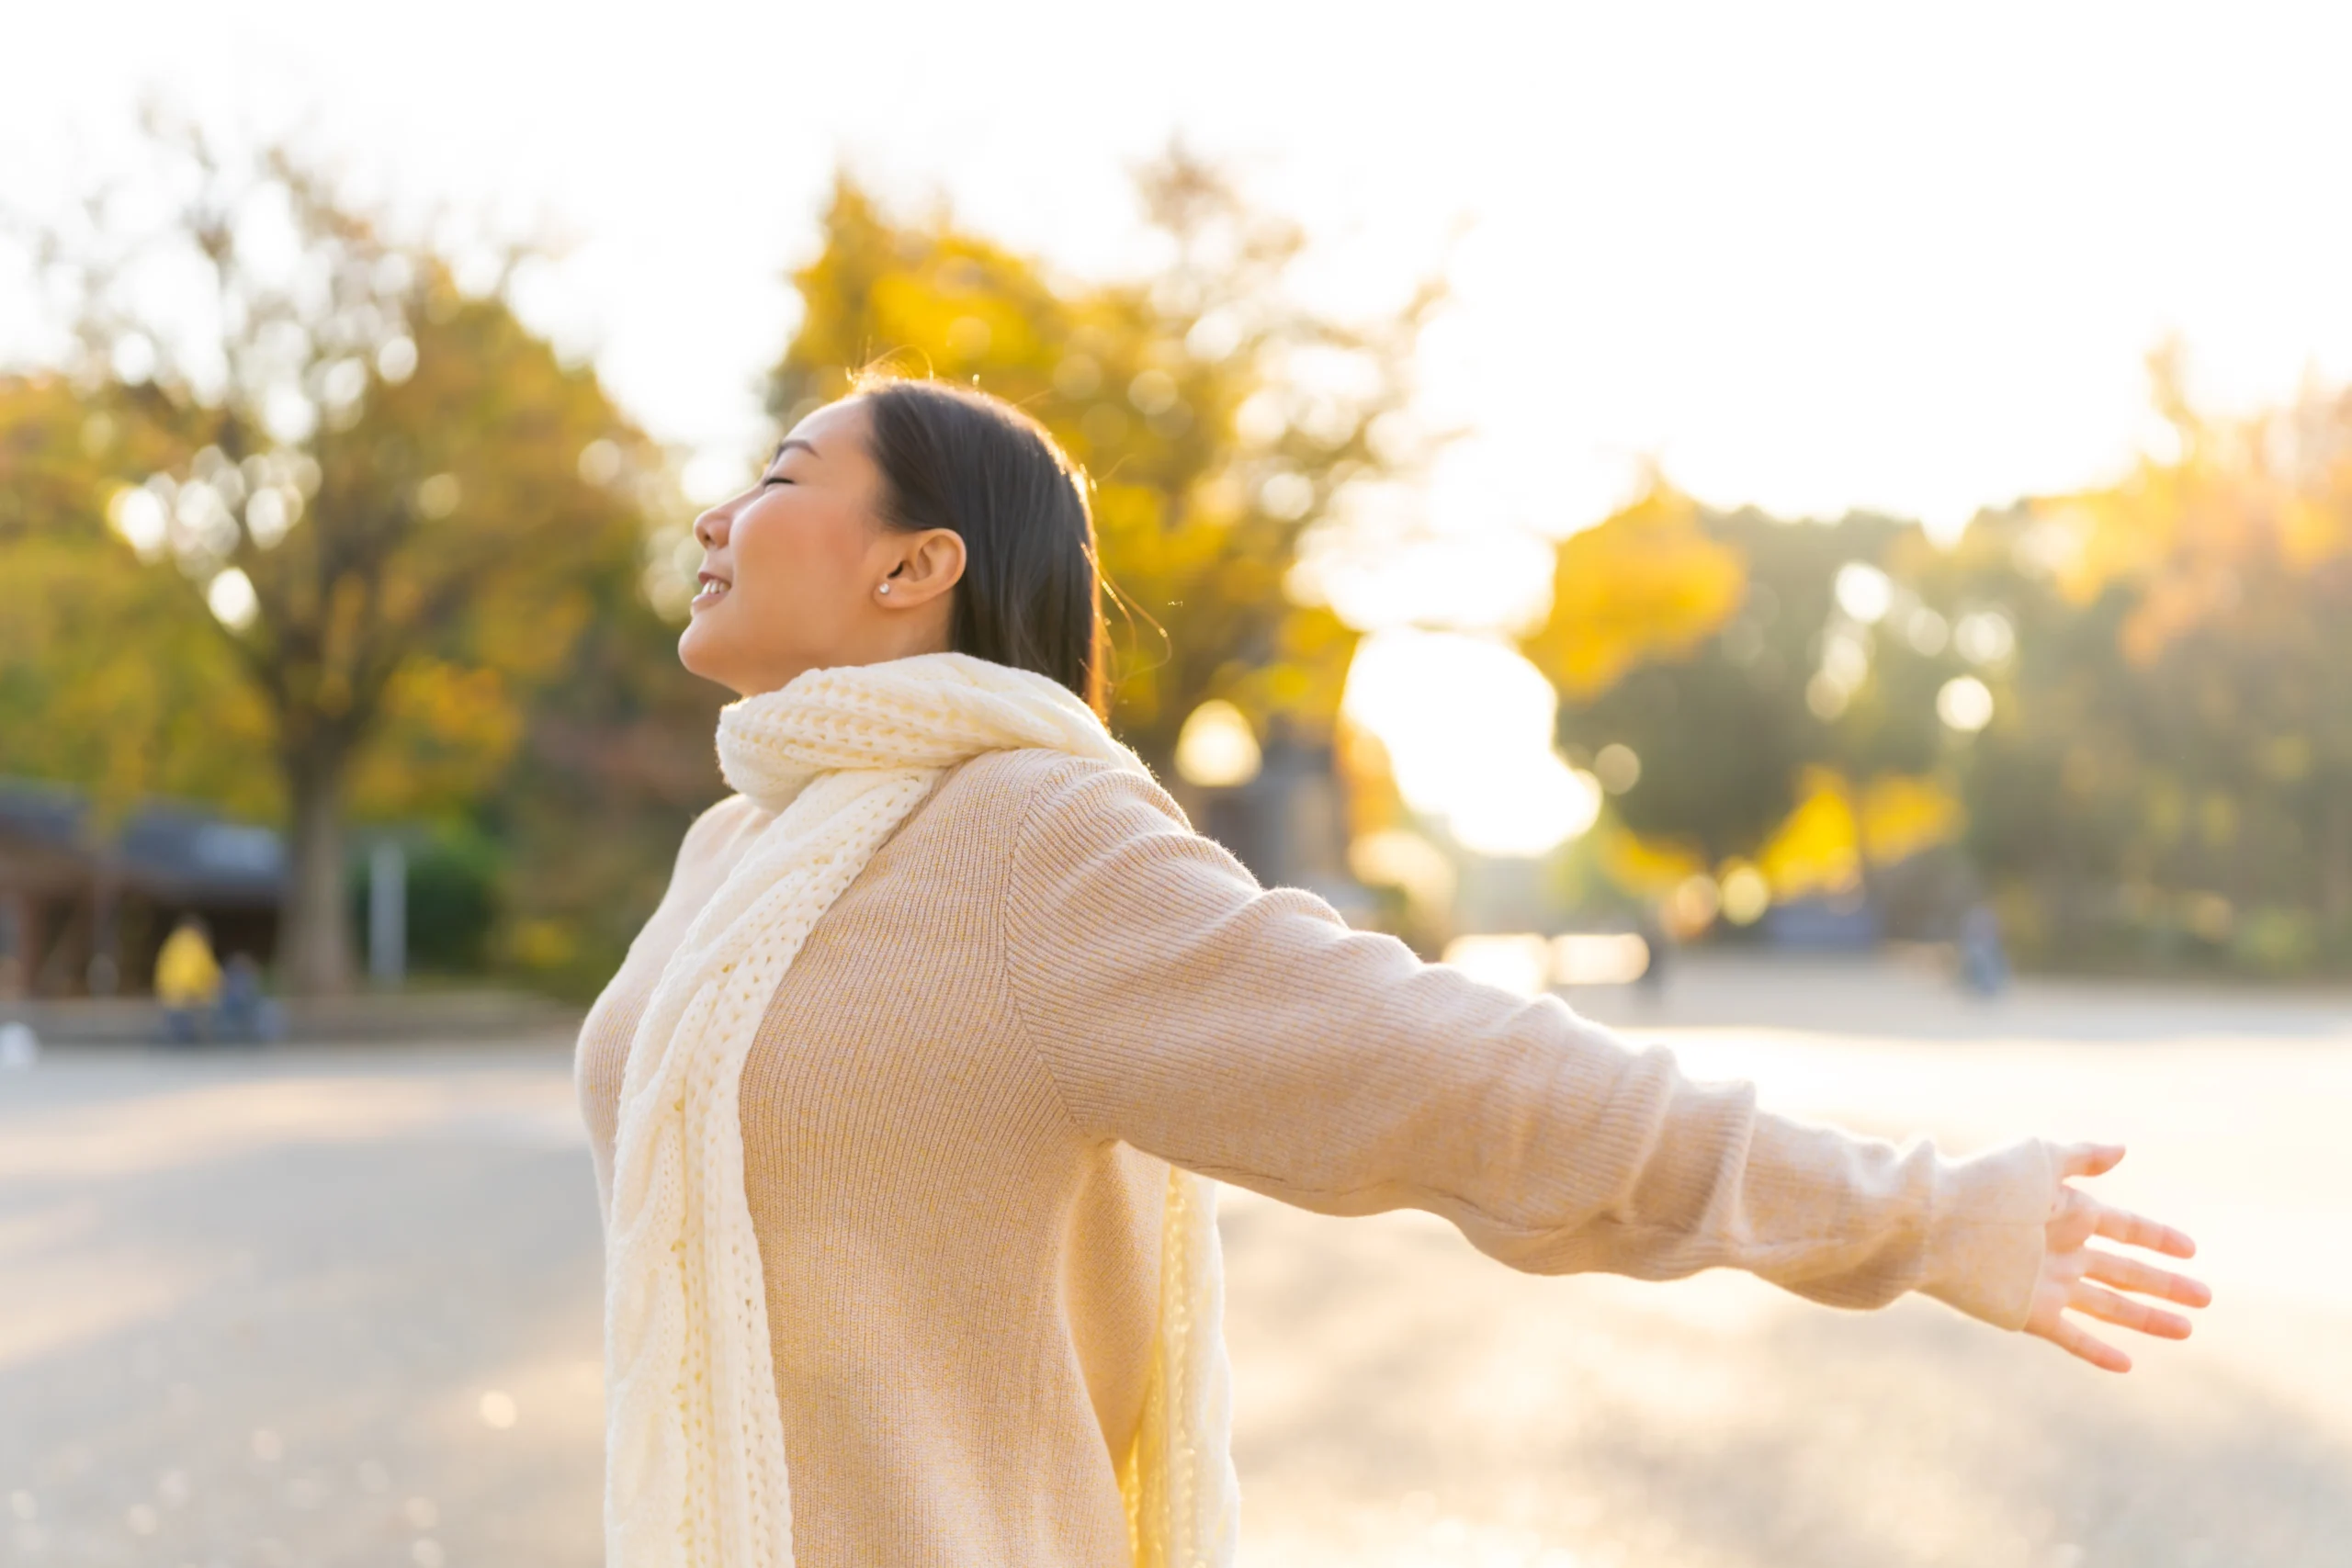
1688 637
383 497
2168 770
1750 689
1217 419
616 760
1647 583
111 677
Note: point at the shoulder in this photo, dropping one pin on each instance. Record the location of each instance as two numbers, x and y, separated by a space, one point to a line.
1082 837
1030 791
1055 817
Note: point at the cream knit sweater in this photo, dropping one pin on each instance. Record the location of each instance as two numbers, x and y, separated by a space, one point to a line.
696 1474
961 1102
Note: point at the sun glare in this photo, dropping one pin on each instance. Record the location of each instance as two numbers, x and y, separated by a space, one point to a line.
1468 726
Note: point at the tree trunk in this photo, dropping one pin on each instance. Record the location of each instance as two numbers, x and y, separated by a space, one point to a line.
315 927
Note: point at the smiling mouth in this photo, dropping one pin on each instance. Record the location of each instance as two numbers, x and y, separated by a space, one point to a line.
714 588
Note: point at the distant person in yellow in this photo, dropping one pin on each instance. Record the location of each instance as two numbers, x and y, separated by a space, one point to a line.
187 979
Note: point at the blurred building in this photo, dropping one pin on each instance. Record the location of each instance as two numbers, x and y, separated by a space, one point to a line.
1277 805
83 909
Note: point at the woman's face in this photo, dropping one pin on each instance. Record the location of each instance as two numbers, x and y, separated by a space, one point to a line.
793 568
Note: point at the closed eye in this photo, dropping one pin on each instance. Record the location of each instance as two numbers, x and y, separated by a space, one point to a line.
774 480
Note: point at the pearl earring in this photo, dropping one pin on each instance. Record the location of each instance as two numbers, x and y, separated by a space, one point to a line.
886 588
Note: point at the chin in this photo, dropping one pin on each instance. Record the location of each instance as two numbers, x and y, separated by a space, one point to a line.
695 655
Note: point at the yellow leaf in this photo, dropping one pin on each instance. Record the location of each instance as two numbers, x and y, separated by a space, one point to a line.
1817 848
1904 814
1644 583
1649 868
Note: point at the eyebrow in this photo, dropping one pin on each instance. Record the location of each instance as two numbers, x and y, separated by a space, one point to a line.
792 441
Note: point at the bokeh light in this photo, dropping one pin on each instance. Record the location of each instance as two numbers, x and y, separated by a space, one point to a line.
1216 749
231 599
1964 704
1746 894
1519 962
1599 958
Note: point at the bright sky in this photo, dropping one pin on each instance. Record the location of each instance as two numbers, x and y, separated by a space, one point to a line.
1811 257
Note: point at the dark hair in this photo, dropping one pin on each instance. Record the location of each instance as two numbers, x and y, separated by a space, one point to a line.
959 458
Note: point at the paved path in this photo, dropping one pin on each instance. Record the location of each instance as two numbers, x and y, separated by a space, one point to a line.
341 1307
298 1308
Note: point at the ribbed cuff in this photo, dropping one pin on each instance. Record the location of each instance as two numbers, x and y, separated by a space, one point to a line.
1983 1251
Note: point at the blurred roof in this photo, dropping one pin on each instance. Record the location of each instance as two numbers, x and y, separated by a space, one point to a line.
166 850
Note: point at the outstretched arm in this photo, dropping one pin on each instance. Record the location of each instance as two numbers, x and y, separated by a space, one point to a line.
1247 1033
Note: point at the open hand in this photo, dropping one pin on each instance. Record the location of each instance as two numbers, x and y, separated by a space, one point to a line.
2069 1264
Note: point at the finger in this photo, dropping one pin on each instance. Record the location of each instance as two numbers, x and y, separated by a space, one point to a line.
2070 1337
2131 1274
2089 1159
2137 1230
2125 1313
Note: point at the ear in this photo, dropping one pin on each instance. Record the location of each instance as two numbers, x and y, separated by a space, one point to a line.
924 566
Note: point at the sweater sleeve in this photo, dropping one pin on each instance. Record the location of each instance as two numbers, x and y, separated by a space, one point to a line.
1248 1034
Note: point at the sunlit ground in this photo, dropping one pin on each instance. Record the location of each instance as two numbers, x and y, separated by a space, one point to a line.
268 1310
342 1308
1405 1401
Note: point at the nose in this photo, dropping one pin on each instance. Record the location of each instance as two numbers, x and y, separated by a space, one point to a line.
712 528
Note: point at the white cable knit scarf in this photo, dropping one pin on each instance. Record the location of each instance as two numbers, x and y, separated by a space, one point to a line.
694 1465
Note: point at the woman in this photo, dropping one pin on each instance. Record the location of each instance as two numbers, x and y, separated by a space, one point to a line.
905 1100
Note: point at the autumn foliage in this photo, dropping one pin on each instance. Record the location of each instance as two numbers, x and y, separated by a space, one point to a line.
360 550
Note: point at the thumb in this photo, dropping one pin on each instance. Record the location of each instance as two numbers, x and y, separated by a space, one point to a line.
2089 1159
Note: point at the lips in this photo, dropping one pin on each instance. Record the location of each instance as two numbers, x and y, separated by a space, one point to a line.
713 589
